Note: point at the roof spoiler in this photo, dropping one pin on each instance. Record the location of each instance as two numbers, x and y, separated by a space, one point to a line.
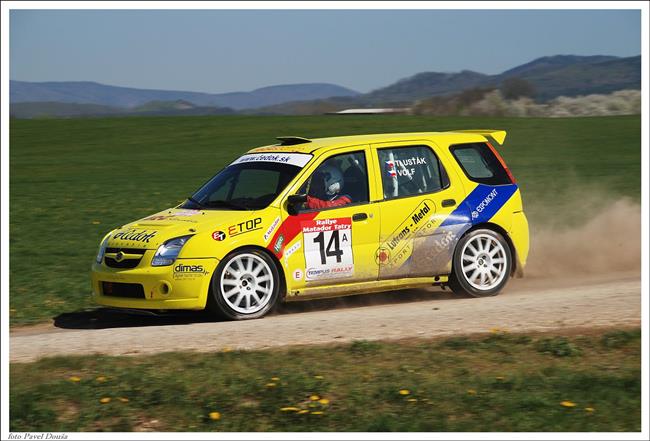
292 140
497 135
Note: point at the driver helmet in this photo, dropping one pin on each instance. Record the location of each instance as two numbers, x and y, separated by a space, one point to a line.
332 180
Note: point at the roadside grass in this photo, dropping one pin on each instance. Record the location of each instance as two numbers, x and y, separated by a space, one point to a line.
495 382
73 180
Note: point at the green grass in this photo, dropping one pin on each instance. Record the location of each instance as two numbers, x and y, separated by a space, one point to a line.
72 180
499 382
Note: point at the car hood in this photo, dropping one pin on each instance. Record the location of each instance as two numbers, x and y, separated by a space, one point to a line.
150 232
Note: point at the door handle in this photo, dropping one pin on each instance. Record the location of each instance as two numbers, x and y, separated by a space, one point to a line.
448 203
359 217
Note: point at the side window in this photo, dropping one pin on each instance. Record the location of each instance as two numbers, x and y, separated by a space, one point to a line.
339 180
480 164
409 171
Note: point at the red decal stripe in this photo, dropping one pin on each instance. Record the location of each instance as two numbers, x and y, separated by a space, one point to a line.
290 228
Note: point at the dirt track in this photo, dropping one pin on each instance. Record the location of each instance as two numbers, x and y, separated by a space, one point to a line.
531 305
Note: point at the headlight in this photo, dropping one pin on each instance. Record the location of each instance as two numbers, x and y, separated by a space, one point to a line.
102 249
168 252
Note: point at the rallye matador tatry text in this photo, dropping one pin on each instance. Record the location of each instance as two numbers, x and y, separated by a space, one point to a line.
308 218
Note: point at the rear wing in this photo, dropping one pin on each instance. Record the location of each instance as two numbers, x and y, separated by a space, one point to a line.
499 136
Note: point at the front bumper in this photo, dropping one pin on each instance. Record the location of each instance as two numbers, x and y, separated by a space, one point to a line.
183 285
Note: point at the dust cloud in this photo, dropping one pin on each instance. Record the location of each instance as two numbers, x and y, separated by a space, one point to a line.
609 241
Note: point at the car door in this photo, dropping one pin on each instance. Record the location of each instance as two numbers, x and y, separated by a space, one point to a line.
334 244
417 197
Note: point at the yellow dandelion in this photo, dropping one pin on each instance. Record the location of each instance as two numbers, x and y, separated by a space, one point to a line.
404 392
471 391
589 409
568 404
105 400
74 379
215 416
317 412
324 401
270 385
124 399
303 411
275 379
318 377
314 398
101 379
412 400
500 378
289 409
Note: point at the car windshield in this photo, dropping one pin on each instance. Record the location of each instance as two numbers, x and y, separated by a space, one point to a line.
252 182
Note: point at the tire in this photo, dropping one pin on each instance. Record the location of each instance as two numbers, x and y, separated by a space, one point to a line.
481 265
245 285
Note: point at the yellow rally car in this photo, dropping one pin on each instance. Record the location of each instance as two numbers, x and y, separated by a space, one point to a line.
326 217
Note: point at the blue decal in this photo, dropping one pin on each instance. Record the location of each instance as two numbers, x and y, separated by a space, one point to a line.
481 204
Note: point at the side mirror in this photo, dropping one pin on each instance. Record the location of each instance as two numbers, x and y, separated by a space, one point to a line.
294 201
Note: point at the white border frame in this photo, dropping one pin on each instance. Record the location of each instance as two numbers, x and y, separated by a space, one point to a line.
7 6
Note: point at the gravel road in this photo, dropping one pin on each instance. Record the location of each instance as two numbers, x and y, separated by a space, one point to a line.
525 305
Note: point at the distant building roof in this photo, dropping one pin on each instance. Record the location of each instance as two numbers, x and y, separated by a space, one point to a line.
370 111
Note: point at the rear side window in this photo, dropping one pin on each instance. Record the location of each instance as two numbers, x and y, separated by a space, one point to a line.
410 171
480 164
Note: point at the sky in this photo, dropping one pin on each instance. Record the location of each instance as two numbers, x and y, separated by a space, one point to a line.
225 51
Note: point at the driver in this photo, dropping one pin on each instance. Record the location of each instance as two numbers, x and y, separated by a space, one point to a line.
326 189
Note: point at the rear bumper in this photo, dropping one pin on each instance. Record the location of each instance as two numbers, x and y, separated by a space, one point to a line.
183 285
519 235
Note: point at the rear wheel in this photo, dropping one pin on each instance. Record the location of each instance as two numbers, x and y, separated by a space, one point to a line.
482 263
245 285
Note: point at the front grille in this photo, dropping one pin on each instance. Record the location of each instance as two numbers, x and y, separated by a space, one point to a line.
126 263
130 290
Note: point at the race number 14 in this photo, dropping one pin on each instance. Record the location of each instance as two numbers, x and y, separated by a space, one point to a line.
328 248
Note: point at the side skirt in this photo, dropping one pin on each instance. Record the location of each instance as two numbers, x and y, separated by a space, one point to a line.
365 287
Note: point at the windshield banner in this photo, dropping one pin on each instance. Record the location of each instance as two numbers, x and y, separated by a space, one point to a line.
297 159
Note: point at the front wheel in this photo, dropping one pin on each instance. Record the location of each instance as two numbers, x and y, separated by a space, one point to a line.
482 263
245 285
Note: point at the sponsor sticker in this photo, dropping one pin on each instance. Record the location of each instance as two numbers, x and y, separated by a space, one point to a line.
382 255
245 227
297 275
177 214
328 248
398 246
271 229
134 235
484 203
183 271
297 159
218 236
278 243
292 249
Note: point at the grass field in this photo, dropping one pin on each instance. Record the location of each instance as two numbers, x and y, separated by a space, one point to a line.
72 180
497 382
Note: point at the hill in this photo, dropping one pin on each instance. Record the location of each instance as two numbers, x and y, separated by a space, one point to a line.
86 92
49 109
560 75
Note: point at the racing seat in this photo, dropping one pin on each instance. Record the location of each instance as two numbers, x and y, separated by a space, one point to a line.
356 184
